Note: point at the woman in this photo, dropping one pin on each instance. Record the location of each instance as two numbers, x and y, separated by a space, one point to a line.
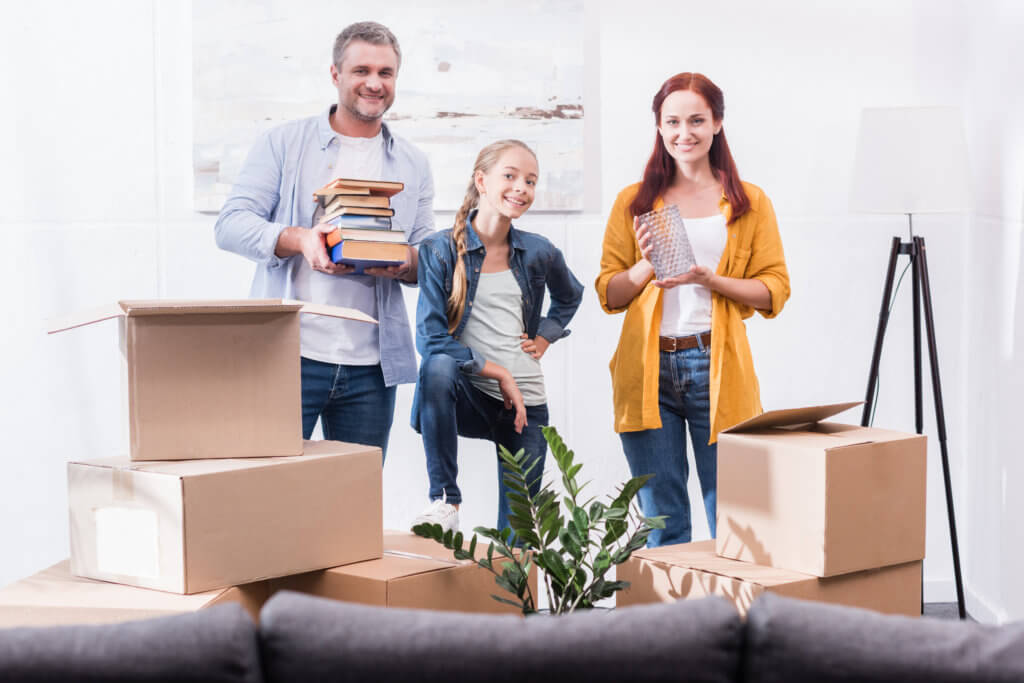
480 331
683 358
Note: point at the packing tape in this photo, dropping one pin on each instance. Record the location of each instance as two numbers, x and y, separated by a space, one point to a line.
124 485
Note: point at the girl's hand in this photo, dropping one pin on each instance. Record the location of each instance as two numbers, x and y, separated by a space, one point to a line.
536 346
513 401
697 275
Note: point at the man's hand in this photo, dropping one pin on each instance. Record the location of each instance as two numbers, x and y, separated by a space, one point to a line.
406 271
536 346
312 245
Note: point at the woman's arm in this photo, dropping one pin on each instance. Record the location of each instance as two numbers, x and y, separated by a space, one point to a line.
747 291
623 275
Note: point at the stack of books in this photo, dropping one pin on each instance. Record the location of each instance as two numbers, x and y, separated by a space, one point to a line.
361 210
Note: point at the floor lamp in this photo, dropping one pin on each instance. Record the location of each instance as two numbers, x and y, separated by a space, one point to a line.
913 160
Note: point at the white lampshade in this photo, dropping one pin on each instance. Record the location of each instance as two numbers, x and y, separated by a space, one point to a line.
910 160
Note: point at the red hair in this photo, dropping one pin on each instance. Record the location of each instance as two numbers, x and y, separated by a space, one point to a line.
661 168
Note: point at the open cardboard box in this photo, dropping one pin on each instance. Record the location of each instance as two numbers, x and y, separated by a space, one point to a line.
210 379
414 572
55 597
693 570
818 497
197 525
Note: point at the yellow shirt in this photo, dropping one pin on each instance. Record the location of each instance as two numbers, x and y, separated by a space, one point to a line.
753 250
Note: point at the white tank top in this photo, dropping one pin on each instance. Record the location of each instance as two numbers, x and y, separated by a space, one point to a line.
686 309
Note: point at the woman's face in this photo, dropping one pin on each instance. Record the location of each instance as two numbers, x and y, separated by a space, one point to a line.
687 128
507 188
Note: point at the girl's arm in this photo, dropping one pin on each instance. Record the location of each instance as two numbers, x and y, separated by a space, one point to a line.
509 391
431 318
565 292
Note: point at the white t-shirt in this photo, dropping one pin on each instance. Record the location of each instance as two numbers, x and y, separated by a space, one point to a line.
686 309
332 340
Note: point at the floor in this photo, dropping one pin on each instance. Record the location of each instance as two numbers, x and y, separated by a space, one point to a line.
942 610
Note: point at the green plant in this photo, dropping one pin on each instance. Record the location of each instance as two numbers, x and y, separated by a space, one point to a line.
574 543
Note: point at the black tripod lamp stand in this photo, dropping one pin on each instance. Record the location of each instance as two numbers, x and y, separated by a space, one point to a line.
913 160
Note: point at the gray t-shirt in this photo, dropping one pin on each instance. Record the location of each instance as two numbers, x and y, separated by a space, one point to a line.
494 329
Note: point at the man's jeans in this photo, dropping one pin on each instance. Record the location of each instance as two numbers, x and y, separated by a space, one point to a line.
683 397
351 400
451 407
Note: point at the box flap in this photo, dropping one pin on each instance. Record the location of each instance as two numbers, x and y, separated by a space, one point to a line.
701 556
333 311
82 318
791 416
142 307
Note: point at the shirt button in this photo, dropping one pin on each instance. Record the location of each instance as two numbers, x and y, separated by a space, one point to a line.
470 303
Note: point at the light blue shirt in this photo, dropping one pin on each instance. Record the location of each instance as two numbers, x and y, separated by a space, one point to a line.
275 189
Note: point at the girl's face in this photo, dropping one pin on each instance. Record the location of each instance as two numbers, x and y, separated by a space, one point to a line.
687 128
507 188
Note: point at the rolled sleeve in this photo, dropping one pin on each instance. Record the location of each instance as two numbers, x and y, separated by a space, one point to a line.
618 250
767 260
566 292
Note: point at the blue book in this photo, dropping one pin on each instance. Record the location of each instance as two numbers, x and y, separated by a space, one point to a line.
364 254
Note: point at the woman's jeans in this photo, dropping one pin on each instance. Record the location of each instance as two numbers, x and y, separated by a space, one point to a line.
450 406
683 399
352 402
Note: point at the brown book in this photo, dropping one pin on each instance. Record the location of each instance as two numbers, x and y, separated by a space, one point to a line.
349 186
361 235
355 201
365 254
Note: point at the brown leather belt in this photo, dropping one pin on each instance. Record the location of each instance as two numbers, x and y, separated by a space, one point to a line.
683 343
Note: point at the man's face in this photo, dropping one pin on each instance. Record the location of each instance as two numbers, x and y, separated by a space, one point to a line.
366 79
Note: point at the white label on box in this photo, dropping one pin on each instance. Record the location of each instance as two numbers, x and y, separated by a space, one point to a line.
127 541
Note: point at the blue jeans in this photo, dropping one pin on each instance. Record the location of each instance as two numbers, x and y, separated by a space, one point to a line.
683 399
450 406
352 402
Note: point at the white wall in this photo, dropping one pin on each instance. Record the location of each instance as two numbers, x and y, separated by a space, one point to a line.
95 159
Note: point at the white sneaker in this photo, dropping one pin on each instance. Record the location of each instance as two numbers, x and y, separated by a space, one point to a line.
439 512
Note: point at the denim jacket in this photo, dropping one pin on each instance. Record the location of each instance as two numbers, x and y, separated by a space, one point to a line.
535 264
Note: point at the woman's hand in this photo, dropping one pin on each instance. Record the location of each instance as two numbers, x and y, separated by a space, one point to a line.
513 400
696 275
643 238
536 346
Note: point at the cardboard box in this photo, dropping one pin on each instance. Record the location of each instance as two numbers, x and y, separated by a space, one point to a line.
414 572
210 379
197 525
818 497
693 570
55 597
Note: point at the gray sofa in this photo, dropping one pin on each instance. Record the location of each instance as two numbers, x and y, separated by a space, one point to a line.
302 638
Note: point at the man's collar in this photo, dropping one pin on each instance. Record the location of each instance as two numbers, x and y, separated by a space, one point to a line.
326 133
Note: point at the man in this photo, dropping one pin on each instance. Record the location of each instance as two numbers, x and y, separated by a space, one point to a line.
350 369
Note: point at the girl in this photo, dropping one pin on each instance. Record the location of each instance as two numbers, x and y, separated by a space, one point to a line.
683 356
480 331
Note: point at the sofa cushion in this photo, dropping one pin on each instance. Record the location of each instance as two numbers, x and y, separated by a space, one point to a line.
308 638
792 640
215 644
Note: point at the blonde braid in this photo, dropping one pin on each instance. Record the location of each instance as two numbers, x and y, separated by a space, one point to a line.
484 163
457 299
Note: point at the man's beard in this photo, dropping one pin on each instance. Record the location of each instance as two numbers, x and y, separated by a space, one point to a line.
365 118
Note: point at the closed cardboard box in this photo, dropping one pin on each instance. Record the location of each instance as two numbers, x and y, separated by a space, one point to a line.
210 379
820 498
198 525
693 570
414 572
55 597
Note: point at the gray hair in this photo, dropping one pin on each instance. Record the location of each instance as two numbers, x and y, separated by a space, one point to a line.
368 32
